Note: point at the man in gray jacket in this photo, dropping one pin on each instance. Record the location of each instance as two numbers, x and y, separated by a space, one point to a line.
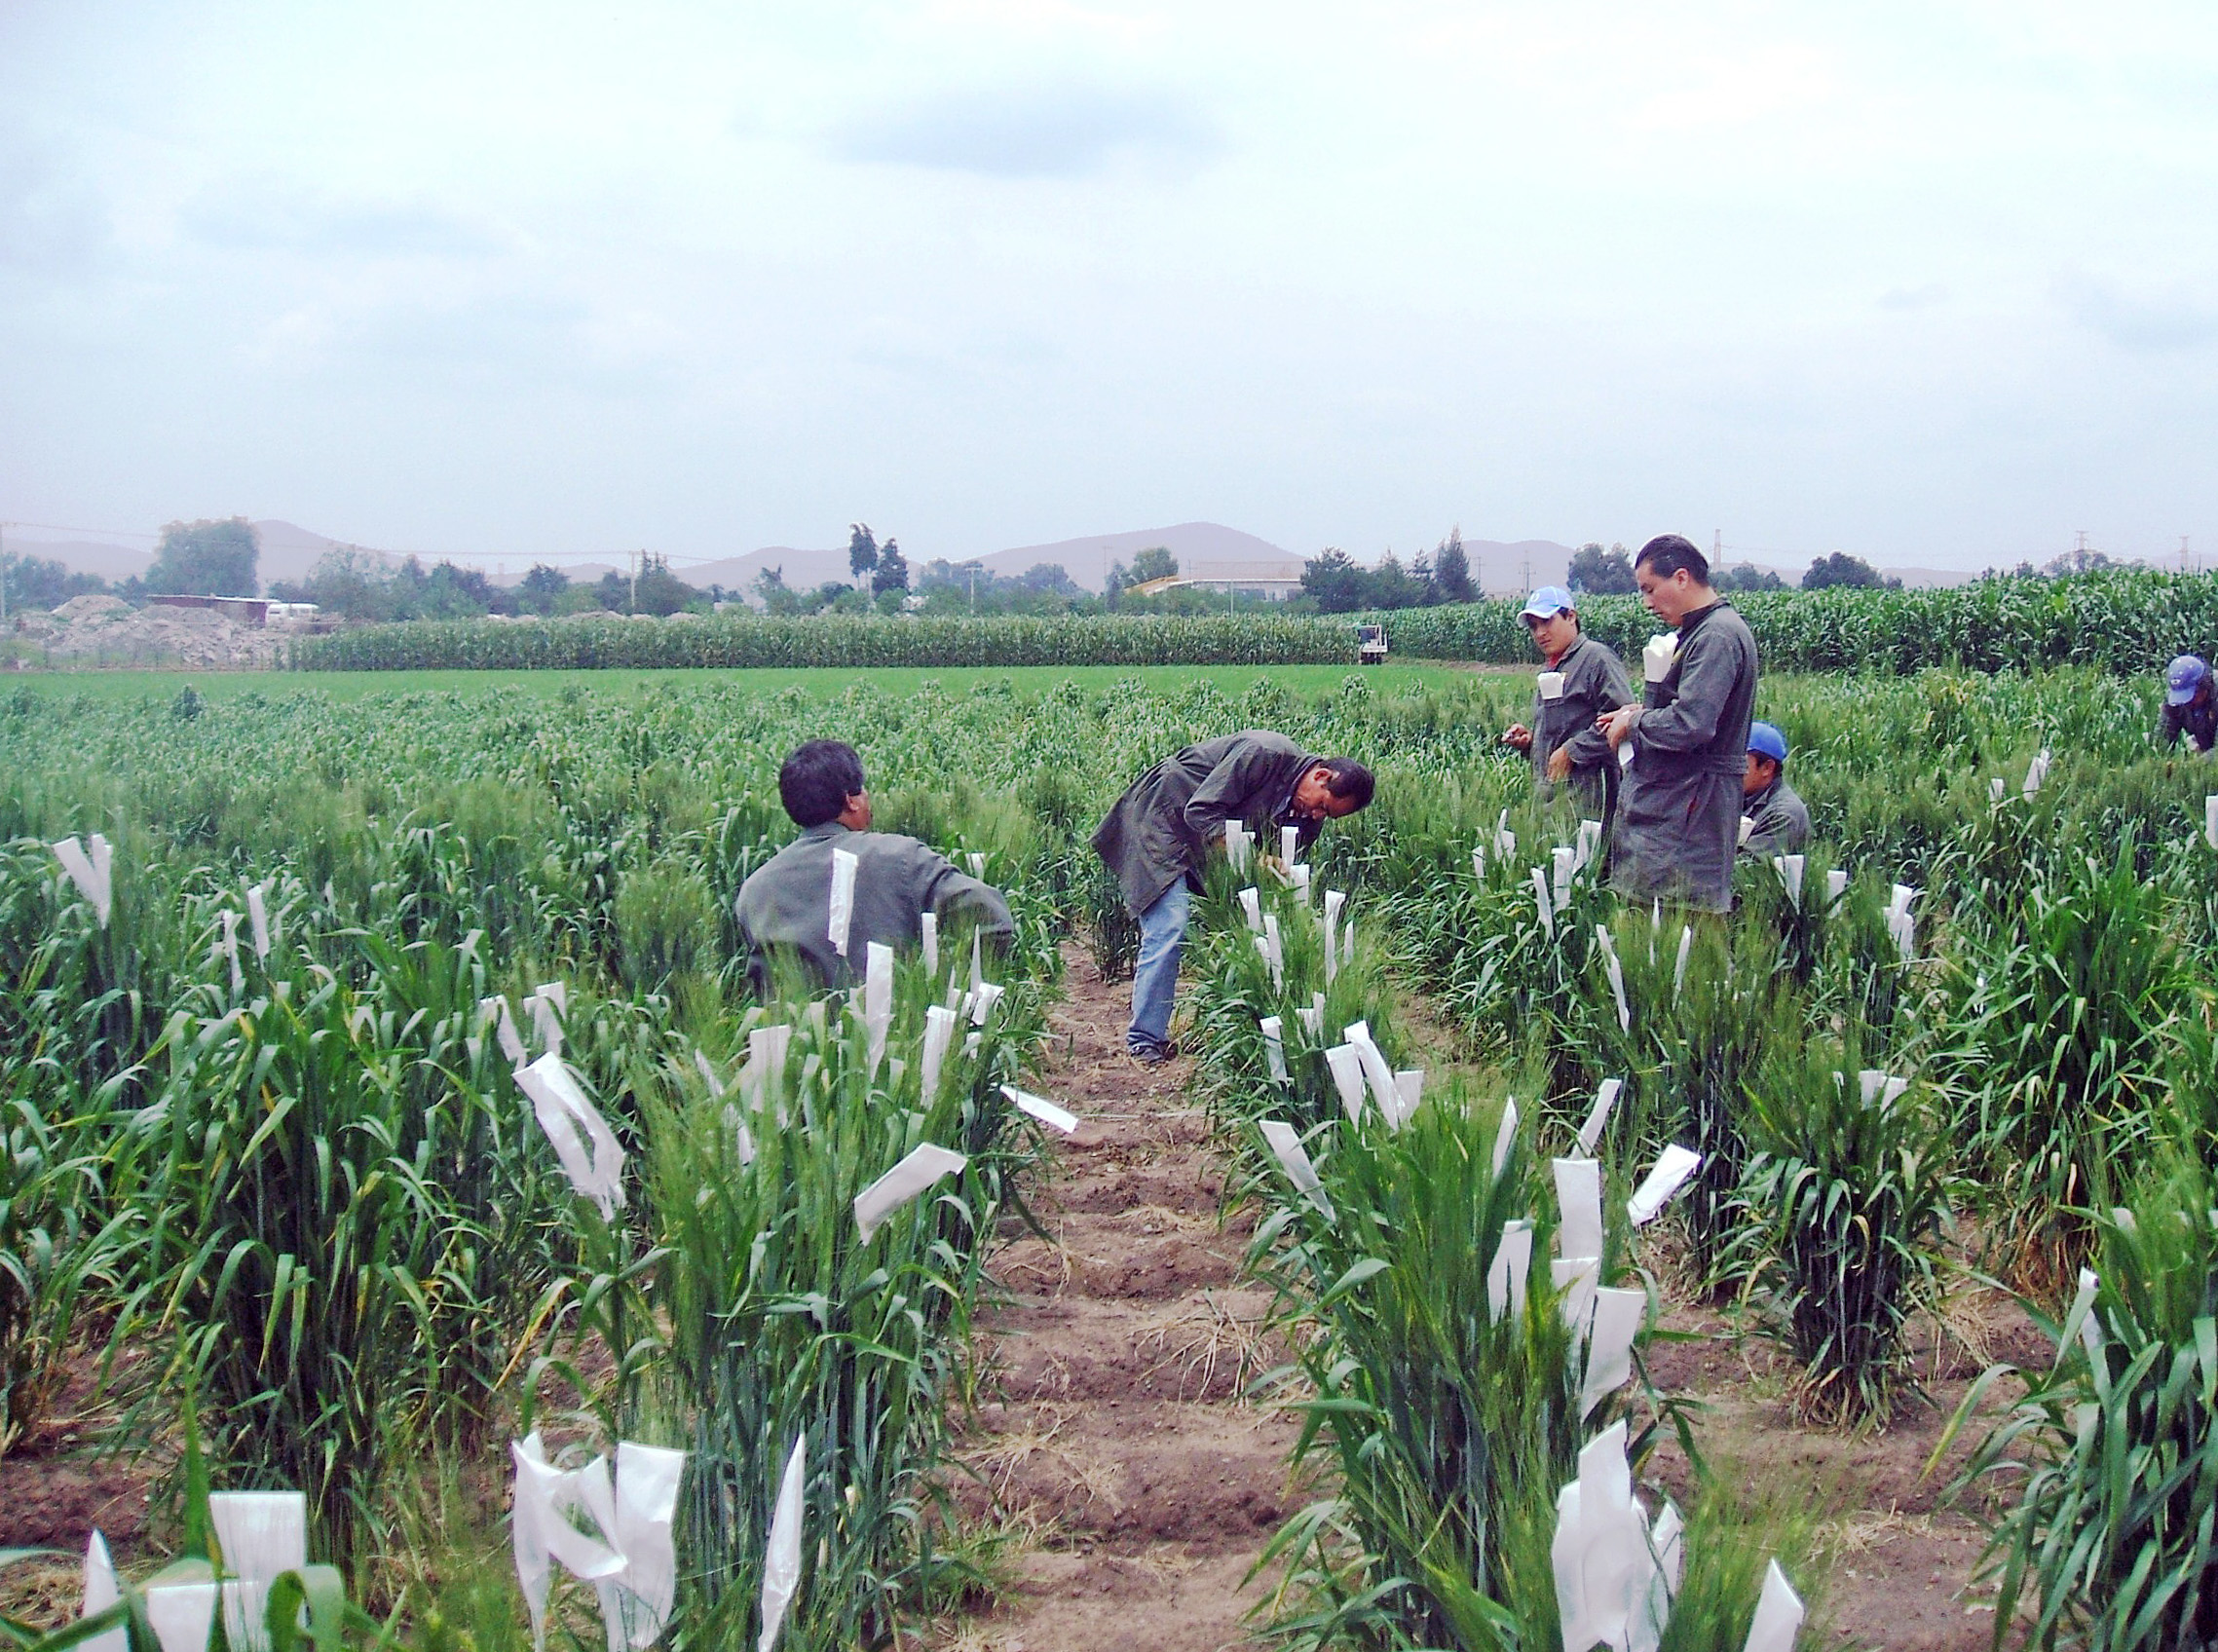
1157 836
1678 816
1779 821
1581 681
784 907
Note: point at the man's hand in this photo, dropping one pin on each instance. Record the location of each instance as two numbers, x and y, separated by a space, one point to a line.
1559 764
1518 737
1618 724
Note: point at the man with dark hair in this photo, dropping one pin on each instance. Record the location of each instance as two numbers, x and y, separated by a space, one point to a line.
1582 679
1157 836
784 909
1777 820
1679 816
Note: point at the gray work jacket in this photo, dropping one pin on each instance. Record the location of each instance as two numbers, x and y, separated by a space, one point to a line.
1781 822
1678 816
1161 830
785 904
1594 682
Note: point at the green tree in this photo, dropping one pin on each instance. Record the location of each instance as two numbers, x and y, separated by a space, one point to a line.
350 583
40 582
656 590
542 589
1842 569
205 559
1747 576
892 569
1602 572
1451 570
1154 563
862 550
1332 580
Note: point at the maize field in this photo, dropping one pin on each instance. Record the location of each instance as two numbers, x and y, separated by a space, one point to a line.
389 1130
2115 622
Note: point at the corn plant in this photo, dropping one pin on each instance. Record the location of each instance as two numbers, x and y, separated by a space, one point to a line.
1843 1203
2107 1471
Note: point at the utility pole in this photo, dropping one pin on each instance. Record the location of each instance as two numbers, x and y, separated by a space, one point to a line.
638 557
2183 553
1716 547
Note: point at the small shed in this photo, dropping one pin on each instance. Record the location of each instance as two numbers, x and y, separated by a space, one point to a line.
1371 644
241 609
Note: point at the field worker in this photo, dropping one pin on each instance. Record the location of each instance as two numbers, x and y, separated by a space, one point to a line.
1778 823
1157 835
1678 813
2191 704
1581 681
784 907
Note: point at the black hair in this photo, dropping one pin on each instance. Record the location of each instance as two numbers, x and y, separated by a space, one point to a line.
1349 779
815 782
1666 553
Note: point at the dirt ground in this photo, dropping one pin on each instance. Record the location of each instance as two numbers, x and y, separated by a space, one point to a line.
1114 1437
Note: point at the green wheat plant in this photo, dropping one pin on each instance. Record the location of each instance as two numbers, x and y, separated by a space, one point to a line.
2106 1471
1843 1203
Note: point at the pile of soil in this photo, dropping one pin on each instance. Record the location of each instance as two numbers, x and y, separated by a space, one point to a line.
106 631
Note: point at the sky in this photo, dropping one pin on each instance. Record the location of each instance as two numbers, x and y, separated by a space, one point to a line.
1935 284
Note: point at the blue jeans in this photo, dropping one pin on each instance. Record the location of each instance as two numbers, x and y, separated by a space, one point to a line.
1155 978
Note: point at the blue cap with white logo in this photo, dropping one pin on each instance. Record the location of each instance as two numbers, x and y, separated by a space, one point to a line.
1767 741
1548 602
2182 676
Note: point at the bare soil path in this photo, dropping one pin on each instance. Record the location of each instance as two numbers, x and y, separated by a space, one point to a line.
1112 1426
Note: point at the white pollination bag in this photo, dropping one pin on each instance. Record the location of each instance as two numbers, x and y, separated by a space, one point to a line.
101 1593
1598 1115
1673 1168
924 1166
1294 1159
1042 1109
781 1556
843 908
583 1145
1506 1274
1274 1047
262 1535
90 865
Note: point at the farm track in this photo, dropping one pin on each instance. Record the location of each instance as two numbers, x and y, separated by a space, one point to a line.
1111 1426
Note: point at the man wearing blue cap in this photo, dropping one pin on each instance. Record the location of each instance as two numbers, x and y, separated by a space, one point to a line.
1774 821
1582 680
2191 704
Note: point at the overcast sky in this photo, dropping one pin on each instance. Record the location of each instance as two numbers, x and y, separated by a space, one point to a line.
1933 282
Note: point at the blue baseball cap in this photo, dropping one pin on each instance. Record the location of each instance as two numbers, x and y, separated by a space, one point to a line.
2182 676
1548 602
1767 741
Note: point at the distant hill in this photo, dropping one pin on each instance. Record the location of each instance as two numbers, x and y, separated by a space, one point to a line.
1499 568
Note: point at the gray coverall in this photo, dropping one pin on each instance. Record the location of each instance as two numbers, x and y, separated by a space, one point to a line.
1781 822
1678 816
1594 682
785 905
